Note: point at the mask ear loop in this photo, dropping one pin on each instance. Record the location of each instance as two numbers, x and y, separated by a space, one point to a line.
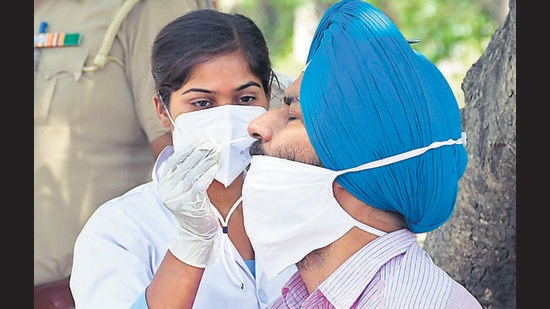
394 159
226 248
166 108
405 155
355 222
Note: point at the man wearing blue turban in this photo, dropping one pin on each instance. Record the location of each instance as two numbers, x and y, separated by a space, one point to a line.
367 151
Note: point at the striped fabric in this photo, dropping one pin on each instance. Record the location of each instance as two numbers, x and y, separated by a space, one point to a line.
54 39
393 271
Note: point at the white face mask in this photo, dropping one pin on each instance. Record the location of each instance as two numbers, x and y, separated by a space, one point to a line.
227 126
289 208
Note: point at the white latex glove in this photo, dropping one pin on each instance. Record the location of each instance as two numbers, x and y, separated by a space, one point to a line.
182 188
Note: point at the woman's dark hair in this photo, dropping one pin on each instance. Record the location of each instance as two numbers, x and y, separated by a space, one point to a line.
200 35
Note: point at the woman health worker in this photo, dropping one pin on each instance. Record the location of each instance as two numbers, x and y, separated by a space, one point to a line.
213 75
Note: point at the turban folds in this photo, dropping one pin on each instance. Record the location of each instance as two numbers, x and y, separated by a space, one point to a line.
366 94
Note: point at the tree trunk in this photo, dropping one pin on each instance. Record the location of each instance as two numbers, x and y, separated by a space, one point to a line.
477 246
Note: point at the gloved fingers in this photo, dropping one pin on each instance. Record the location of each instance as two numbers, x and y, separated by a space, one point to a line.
197 141
191 210
186 179
183 188
181 163
174 173
172 185
203 172
197 219
204 180
185 167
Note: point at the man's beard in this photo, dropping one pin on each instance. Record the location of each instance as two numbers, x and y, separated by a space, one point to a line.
288 153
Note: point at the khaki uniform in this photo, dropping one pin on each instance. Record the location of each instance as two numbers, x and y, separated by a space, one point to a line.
91 129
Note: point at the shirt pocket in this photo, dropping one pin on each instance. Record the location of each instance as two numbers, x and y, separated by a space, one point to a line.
58 66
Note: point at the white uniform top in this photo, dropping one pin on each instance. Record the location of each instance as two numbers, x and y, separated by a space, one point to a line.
123 243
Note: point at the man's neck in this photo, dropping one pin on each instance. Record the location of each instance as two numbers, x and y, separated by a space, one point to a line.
317 266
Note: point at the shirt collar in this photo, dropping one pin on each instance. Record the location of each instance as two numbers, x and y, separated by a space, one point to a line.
360 268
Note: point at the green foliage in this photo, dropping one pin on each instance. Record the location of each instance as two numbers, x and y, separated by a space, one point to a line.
452 31
442 25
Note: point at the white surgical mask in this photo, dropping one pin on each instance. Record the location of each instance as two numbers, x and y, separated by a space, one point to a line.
289 208
227 126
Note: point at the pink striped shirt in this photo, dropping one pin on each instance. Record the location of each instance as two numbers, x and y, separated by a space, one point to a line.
393 271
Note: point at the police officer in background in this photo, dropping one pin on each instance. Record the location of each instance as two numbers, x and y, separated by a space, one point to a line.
96 134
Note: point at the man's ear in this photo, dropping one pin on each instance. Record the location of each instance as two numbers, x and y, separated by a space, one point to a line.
338 191
348 201
162 113
383 220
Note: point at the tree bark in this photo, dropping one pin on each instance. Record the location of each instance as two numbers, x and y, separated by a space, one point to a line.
477 247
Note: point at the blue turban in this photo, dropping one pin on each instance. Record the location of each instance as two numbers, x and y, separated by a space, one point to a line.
366 94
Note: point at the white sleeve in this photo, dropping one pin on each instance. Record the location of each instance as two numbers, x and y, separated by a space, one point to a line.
119 250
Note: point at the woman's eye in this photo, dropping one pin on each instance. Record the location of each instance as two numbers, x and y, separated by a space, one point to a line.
246 99
202 103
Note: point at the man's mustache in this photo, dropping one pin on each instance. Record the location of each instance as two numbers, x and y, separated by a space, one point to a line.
256 148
